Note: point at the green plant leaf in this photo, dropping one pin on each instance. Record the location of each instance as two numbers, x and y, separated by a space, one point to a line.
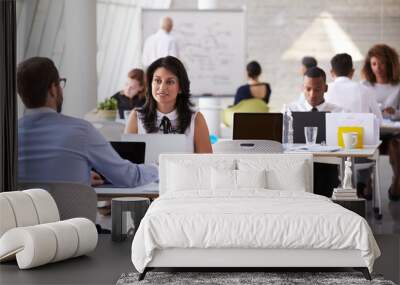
108 104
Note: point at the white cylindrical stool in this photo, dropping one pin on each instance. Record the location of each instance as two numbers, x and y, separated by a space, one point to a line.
211 110
207 4
126 214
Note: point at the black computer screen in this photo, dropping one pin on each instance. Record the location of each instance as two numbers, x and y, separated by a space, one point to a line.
132 151
258 126
308 119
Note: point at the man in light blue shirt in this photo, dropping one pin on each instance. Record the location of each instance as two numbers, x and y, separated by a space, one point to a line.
55 147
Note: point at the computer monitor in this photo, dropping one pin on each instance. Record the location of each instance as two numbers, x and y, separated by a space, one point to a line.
308 119
158 143
132 151
258 126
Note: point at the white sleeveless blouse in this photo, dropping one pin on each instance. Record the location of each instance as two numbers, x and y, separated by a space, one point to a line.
173 117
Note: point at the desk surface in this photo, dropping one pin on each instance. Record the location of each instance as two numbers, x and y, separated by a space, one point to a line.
389 126
367 151
104 265
148 190
152 190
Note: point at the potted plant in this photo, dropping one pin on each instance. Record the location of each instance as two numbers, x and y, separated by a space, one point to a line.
107 109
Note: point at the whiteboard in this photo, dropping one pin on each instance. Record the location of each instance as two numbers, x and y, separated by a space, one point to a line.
211 46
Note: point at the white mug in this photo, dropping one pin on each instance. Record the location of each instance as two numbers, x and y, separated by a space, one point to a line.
350 140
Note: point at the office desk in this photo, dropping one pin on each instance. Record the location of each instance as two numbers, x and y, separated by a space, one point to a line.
369 151
372 152
390 127
106 193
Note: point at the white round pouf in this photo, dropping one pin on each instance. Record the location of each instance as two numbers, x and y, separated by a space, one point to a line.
207 4
211 110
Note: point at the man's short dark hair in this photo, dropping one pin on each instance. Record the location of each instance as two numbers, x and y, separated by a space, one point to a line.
342 64
309 61
315 72
34 77
253 69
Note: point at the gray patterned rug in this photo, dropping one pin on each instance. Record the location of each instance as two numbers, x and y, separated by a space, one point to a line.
228 278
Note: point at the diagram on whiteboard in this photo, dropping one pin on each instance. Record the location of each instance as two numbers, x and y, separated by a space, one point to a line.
211 46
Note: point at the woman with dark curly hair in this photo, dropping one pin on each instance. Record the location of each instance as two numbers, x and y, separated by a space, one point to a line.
381 72
168 108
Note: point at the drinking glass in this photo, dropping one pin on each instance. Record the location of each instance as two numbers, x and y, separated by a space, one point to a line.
311 135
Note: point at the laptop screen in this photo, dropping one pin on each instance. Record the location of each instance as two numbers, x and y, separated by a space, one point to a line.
132 151
258 126
308 119
158 143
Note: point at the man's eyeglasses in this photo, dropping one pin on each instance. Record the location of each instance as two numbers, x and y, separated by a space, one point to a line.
63 82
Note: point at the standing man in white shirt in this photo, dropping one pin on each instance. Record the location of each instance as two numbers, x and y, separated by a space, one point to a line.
314 87
346 93
160 44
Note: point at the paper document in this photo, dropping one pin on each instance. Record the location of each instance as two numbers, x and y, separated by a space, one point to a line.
315 148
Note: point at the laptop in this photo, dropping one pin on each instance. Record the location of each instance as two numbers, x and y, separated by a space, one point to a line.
132 151
308 119
158 143
258 126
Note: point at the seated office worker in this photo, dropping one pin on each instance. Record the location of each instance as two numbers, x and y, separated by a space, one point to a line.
314 85
357 98
254 88
55 147
168 108
381 71
134 93
349 94
307 62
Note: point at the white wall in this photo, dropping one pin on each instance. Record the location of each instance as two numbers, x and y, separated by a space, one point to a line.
41 32
279 33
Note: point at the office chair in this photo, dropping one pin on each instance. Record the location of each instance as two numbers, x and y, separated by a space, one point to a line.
244 106
72 199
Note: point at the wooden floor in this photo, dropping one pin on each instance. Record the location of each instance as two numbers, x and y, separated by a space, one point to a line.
387 230
390 222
